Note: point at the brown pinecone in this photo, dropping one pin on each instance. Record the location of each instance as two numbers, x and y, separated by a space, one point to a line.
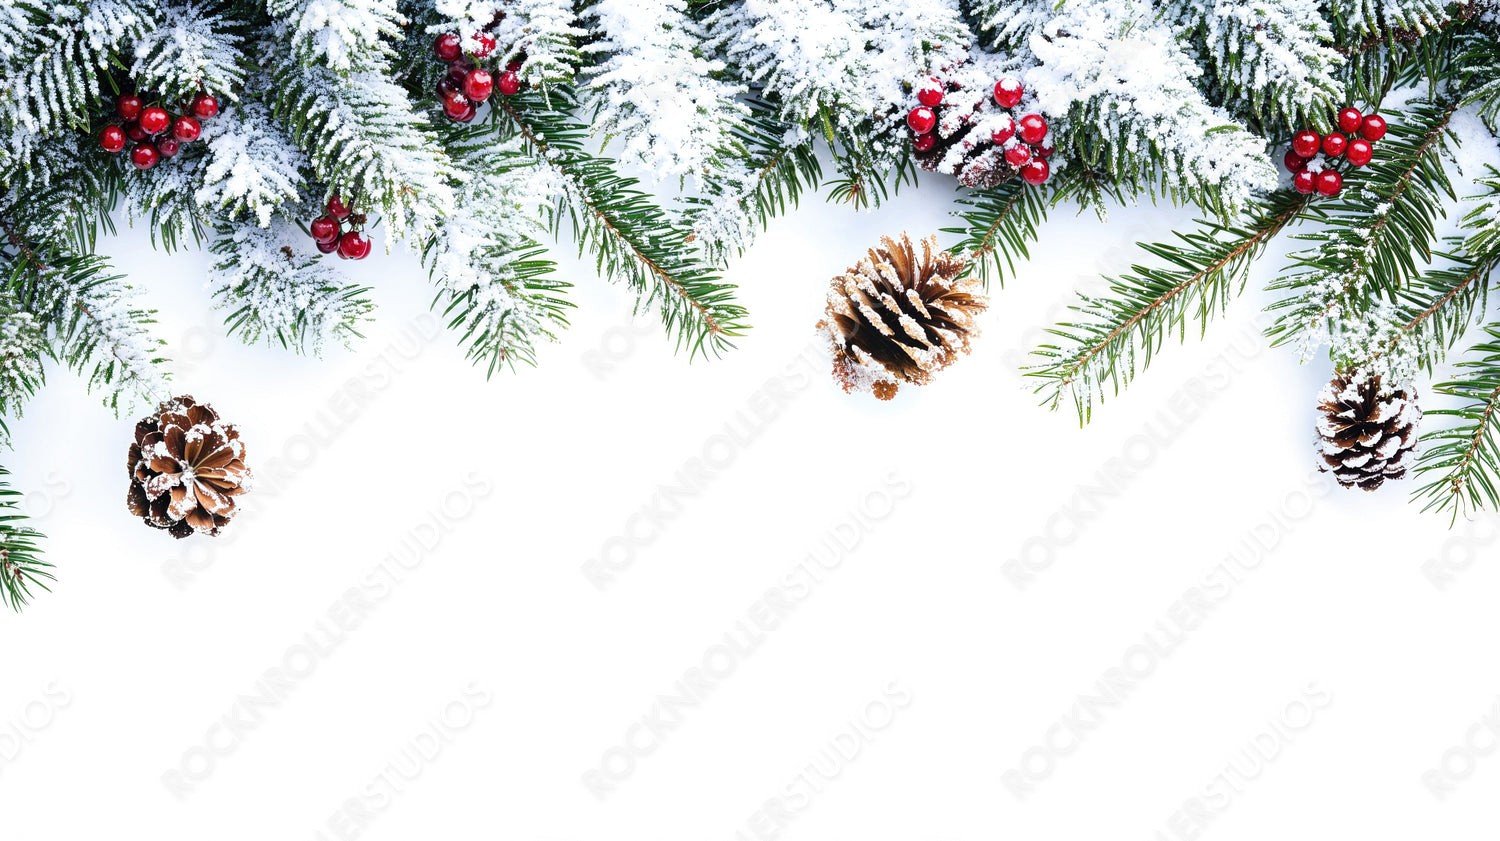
186 467
1366 436
897 318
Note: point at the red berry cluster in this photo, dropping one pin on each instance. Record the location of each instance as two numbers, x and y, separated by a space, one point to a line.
1311 158
468 85
146 127
1021 144
330 235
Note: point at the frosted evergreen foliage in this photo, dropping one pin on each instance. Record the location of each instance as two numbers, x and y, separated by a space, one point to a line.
271 289
656 92
22 344
189 51
50 58
545 32
363 134
251 167
342 35
1106 71
1269 57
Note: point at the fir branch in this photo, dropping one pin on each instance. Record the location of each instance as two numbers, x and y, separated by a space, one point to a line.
251 167
630 237
87 311
1271 61
768 167
365 138
541 34
343 36
498 291
23 343
1124 332
21 569
192 49
1462 464
271 292
997 227
1384 219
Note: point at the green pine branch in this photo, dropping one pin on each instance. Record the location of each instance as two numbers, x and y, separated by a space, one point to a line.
1382 222
21 568
1461 465
763 175
630 237
997 226
1125 329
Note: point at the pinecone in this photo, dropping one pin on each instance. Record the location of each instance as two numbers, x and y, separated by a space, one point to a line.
898 319
1366 436
186 467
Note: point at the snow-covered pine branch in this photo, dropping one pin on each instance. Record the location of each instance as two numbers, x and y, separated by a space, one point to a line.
1113 79
1270 58
251 166
50 58
97 331
1381 18
163 199
342 35
657 92
191 49
544 33
484 255
365 137
272 289
23 342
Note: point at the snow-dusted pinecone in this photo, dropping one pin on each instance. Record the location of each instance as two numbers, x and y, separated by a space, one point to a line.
1366 435
186 467
900 318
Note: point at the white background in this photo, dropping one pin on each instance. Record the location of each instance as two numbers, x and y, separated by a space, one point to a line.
119 682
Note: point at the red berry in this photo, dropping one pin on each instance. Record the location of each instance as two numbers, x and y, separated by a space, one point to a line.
336 207
1294 162
1036 172
1334 144
478 85
1043 151
205 107
448 46
1005 129
1008 93
931 97
144 156
455 105
1349 120
446 86
923 142
112 139
154 120
483 44
1360 151
1018 155
352 246
458 70
186 129
328 247
1372 128
135 132
1329 182
509 83
129 107
1306 143
1033 128
921 119
514 66
168 146
324 229
1302 182
466 115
